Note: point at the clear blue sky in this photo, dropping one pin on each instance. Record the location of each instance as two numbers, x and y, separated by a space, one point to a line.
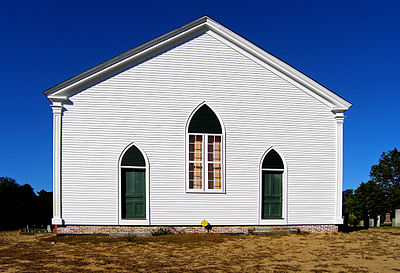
351 47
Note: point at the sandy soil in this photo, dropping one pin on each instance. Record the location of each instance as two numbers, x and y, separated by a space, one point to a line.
373 250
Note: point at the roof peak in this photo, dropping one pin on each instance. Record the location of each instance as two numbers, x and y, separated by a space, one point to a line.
78 83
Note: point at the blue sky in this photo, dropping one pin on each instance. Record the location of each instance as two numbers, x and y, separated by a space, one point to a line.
351 47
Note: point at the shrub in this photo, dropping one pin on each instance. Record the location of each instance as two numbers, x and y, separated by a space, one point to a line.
352 220
130 237
161 231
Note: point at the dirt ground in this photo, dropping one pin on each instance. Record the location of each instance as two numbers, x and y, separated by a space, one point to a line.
373 250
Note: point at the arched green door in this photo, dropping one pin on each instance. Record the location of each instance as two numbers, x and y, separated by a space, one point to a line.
271 194
272 197
133 193
133 184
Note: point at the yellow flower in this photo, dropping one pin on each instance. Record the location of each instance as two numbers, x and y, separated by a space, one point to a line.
204 223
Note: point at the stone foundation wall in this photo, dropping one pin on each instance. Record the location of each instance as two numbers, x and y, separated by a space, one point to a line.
184 229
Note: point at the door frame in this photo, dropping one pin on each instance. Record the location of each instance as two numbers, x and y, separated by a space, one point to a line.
284 219
133 222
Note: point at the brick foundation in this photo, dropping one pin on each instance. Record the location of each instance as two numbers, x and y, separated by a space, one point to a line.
184 229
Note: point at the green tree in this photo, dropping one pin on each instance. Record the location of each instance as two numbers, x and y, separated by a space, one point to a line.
348 201
44 209
348 207
17 204
370 200
20 206
387 174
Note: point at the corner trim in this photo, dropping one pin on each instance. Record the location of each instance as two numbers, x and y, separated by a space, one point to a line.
58 108
339 117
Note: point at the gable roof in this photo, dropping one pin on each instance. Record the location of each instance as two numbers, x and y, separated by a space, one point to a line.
65 89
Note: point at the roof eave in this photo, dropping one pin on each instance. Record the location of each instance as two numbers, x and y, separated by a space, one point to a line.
280 65
126 56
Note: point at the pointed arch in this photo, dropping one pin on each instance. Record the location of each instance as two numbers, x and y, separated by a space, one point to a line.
210 110
133 194
133 157
205 142
272 160
205 120
273 188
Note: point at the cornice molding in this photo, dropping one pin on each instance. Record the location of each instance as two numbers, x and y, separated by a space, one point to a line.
57 107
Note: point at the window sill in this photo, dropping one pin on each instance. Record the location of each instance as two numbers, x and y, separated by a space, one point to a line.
132 222
205 192
273 221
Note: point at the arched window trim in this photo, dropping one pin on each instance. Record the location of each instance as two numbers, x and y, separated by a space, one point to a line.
284 219
122 221
205 185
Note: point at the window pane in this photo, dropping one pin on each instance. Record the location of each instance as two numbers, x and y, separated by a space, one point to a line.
217 176
195 176
198 157
216 149
210 185
214 176
195 147
198 149
210 176
191 169
210 148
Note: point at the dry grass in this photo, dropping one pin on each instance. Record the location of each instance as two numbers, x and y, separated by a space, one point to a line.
373 250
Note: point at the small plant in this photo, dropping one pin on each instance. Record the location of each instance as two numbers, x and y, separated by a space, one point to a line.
206 225
352 220
161 231
130 237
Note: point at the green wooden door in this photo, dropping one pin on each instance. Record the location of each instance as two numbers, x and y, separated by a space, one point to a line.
133 194
271 194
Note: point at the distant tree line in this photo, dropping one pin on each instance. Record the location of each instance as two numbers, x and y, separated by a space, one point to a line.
20 206
378 196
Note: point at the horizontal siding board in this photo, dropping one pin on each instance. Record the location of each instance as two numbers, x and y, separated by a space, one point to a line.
149 104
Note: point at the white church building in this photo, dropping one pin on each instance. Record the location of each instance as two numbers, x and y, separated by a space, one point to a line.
196 124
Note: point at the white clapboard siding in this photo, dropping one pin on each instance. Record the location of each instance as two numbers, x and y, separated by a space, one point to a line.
149 104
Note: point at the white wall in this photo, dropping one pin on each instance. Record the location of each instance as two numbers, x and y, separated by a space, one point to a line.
149 104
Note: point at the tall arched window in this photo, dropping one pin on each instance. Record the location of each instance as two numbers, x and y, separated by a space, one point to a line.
205 152
272 186
133 184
